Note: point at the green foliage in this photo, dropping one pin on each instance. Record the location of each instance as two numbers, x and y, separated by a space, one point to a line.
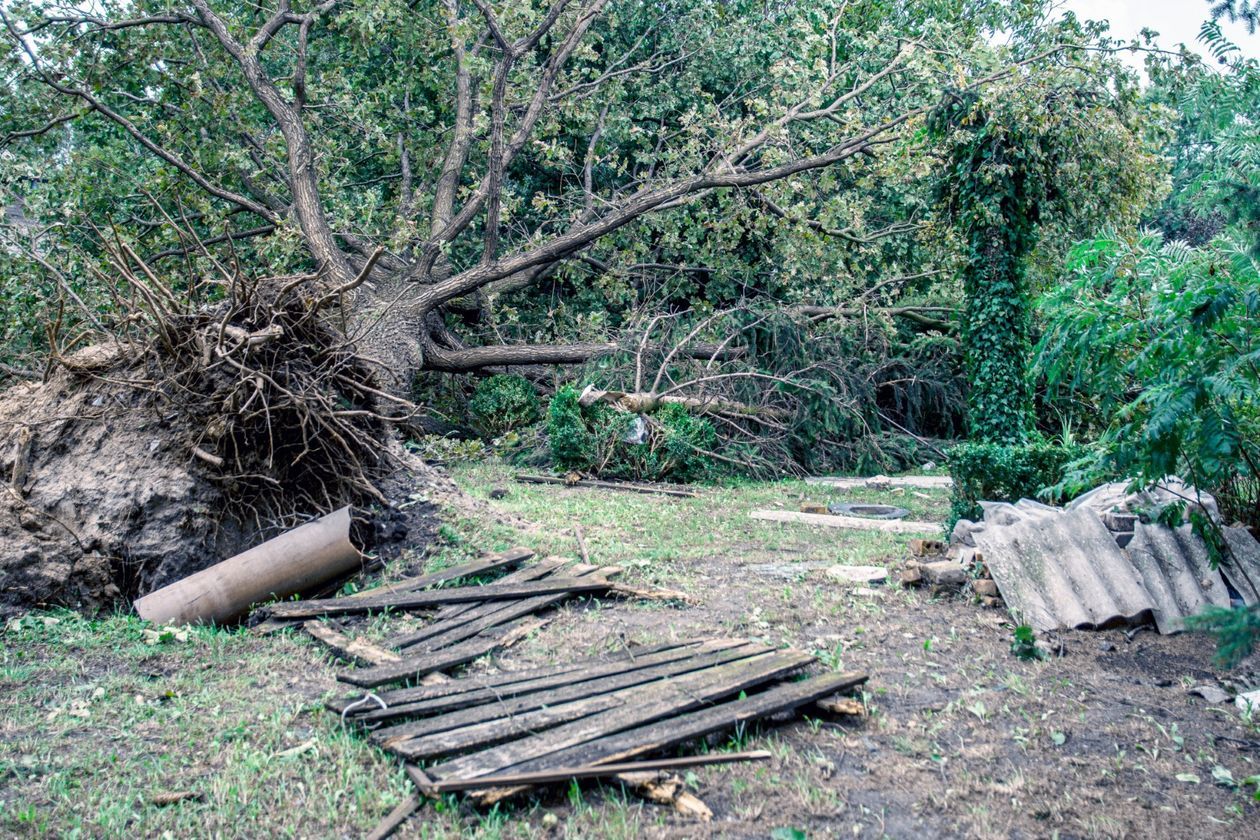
447 450
502 404
1215 155
572 445
1024 644
1160 341
592 440
1021 163
1236 631
999 473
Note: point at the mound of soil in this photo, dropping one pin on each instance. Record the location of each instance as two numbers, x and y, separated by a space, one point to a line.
102 499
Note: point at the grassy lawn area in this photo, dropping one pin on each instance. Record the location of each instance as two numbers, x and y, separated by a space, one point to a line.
98 717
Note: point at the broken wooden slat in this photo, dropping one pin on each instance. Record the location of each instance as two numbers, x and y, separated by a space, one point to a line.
395 818
416 666
594 678
354 650
541 569
859 523
608 485
508 681
604 713
480 566
498 707
480 688
651 593
659 735
650 704
432 597
564 774
847 483
469 623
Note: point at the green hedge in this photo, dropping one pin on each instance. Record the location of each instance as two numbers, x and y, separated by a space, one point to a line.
999 473
502 404
590 440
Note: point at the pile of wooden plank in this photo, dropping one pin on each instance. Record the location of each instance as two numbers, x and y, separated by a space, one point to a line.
502 732
466 622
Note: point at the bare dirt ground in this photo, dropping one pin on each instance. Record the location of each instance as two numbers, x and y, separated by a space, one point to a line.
962 739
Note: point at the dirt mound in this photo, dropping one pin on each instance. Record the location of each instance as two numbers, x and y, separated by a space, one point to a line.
101 498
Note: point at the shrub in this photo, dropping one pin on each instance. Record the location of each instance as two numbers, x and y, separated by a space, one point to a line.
503 404
592 440
1001 473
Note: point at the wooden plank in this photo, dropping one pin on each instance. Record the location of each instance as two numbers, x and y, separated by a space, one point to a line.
353 650
648 704
469 623
609 485
480 566
541 569
549 680
659 735
857 523
495 708
503 683
433 597
450 657
564 774
922 481
660 698
396 817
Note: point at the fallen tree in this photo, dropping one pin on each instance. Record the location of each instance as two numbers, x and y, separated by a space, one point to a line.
215 409
187 434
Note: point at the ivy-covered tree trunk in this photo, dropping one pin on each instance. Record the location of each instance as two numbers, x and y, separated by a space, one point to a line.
996 337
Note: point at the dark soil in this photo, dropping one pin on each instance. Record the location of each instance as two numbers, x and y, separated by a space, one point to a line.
962 738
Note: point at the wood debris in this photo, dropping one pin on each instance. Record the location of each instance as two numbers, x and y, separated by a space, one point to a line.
631 487
851 522
501 733
493 735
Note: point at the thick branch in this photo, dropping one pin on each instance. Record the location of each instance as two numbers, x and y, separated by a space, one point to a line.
303 177
512 355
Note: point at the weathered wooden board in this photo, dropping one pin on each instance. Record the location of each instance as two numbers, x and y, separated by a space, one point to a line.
564 774
427 663
499 707
503 682
656 736
857 523
353 650
480 566
649 704
609 485
441 634
433 597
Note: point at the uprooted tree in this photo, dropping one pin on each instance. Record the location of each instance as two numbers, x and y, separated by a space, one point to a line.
262 224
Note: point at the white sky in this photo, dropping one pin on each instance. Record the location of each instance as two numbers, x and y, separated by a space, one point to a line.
1176 21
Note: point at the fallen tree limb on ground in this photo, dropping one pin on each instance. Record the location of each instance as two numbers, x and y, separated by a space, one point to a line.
900 526
608 485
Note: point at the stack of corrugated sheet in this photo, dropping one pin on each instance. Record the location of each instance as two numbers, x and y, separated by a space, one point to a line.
1064 569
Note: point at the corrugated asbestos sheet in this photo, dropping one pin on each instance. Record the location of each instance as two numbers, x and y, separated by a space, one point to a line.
1062 569
1177 572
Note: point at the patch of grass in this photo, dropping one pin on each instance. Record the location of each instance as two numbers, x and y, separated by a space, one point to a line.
97 721
659 540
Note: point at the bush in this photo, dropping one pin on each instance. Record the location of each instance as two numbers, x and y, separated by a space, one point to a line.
1000 473
502 404
592 440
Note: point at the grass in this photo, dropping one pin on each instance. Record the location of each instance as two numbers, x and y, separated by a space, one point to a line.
97 720
96 716
658 541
